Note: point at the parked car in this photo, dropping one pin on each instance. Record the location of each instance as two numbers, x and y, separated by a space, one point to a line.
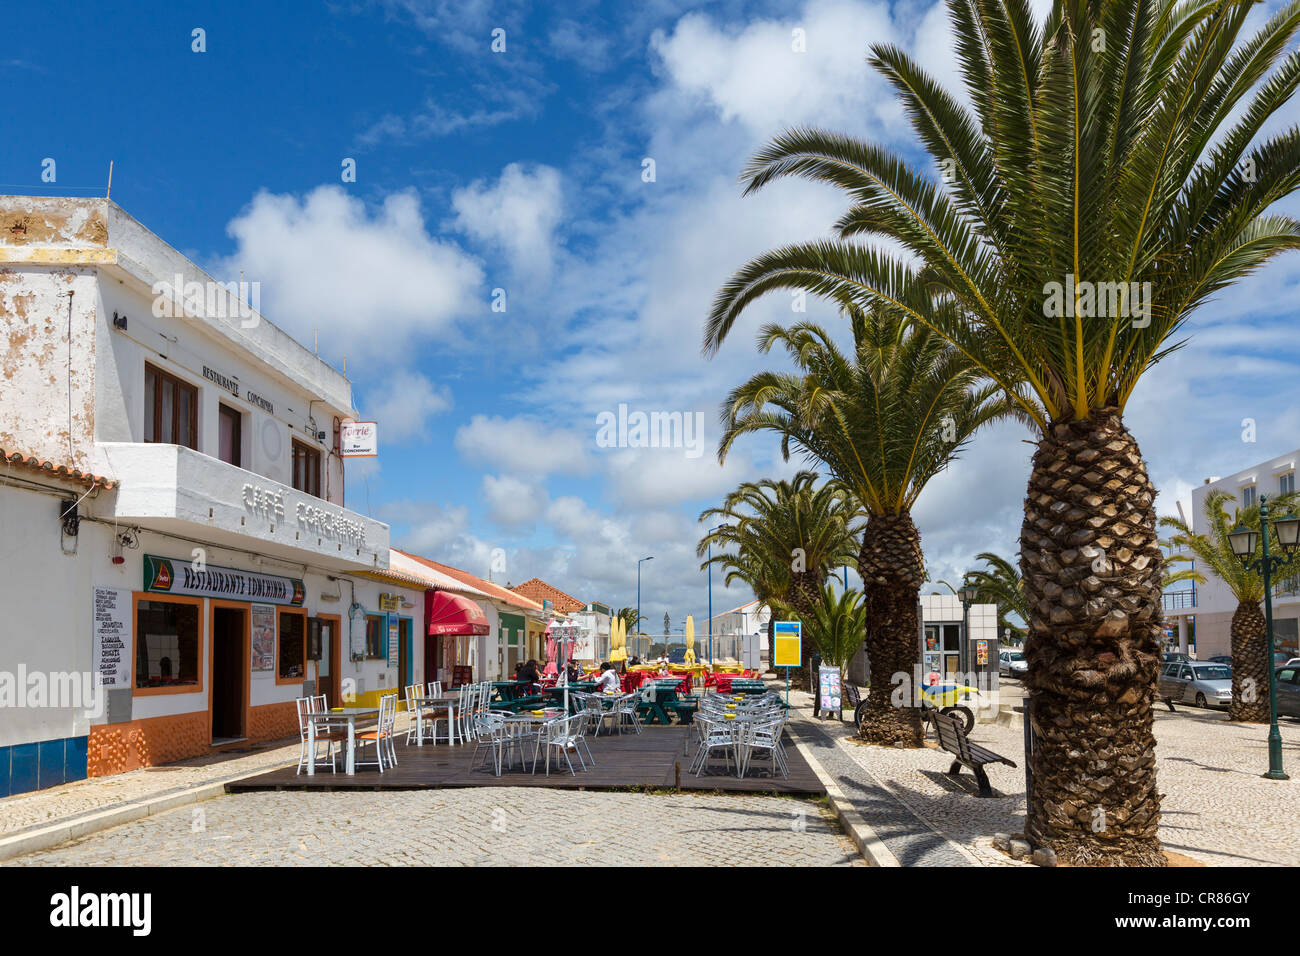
1171 656
1191 682
1293 662
1221 659
677 655
1012 663
1288 690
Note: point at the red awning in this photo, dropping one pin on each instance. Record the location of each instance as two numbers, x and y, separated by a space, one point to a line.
453 614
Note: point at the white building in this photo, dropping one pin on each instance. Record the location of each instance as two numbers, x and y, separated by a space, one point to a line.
730 626
1212 605
211 566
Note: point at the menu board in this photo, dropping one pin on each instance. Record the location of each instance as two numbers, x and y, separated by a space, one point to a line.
111 615
263 637
394 639
828 680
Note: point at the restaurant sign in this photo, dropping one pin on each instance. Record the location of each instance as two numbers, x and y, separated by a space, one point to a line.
195 579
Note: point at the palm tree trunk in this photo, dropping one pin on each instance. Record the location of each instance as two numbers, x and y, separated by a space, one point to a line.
805 591
1091 563
892 572
1250 663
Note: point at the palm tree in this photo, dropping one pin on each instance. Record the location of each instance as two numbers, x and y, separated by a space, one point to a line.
783 538
1000 583
836 625
1101 186
883 421
1250 657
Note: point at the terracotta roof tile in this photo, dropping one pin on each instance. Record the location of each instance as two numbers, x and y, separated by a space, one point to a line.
50 468
538 590
487 587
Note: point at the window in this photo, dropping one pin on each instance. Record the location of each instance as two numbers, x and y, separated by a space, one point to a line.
166 645
1249 496
375 636
306 468
291 660
171 409
1286 484
230 435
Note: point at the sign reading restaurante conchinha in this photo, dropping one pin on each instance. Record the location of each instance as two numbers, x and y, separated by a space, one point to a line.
204 580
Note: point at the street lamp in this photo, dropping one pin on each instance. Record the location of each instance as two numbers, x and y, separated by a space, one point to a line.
710 533
638 595
968 594
1244 541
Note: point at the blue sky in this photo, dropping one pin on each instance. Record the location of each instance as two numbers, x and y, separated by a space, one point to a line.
523 170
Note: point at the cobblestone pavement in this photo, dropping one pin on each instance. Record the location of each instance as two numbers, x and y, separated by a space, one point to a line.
1216 807
468 827
43 807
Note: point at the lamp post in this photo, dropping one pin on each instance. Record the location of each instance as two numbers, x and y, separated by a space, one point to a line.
968 594
710 532
638 594
1244 541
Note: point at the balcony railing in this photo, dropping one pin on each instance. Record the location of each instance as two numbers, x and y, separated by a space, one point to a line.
1179 600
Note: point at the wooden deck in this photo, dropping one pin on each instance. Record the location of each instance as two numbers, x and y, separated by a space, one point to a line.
622 762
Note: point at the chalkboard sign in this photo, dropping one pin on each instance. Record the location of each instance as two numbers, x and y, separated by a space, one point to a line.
828 678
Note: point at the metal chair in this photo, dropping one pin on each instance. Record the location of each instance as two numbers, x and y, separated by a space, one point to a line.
382 735
414 711
765 737
490 735
716 733
560 737
306 705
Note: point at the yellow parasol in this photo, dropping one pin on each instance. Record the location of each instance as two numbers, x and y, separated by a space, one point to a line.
617 640
690 639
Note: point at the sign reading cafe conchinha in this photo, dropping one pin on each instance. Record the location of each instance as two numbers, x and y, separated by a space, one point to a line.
183 577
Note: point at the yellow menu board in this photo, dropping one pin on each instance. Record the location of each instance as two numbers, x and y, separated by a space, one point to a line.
787 643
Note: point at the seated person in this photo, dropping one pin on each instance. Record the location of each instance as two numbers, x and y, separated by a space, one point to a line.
571 672
528 672
608 680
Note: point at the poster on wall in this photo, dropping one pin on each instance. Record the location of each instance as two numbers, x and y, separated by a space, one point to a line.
787 639
263 654
981 652
112 623
394 639
357 633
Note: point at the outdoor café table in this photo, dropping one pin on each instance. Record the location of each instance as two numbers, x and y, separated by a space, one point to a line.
445 702
509 690
528 722
329 718
661 692
556 694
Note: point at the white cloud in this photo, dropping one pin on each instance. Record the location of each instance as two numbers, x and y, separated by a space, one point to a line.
369 281
402 403
755 76
518 214
523 446
514 502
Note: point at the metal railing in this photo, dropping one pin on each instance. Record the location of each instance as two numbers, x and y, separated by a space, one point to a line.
1179 600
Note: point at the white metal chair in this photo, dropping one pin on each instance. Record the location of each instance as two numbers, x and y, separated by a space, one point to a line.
560 737
765 737
414 710
307 705
717 733
382 735
490 736
625 712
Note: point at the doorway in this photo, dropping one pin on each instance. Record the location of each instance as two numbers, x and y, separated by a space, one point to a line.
229 668
323 656
405 655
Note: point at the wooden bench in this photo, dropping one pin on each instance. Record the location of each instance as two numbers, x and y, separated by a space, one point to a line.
953 739
685 708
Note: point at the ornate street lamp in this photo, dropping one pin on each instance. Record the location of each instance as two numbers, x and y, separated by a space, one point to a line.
1244 541
968 594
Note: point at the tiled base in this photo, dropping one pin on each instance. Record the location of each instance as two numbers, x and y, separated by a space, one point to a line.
47 763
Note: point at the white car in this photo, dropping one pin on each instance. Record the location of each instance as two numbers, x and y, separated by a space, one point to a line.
1012 663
